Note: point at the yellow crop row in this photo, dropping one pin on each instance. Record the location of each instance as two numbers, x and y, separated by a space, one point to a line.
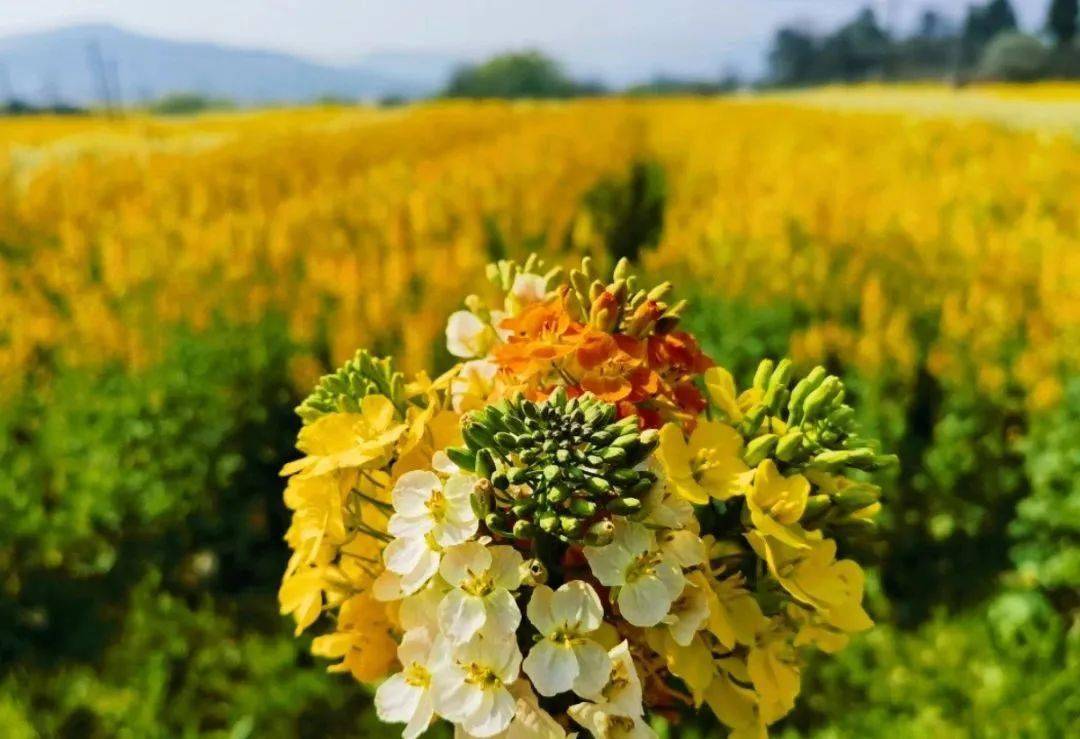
905 242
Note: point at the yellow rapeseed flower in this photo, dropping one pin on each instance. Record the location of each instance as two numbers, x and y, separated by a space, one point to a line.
709 465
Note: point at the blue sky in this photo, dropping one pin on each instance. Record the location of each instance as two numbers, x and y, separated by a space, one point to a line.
613 40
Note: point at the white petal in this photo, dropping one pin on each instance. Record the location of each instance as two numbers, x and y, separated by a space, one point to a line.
421 719
671 576
552 668
578 606
644 602
403 555
415 647
594 668
413 490
528 288
464 333
442 464
409 527
628 697
506 567
463 561
459 489
461 615
609 563
454 698
424 571
506 660
503 614
449 532
539 609
685 547
494 717
634 537
396 700
421 610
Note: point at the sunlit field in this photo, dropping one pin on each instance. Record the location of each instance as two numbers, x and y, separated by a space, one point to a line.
169 289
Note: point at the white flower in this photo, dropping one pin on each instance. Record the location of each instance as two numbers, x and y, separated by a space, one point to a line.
410 563
466 335
470 688
421 610
405 697
473 384
530 720
565 658
482 579
622 694
648 578
603 722
684 546
690 611
424 505
528 288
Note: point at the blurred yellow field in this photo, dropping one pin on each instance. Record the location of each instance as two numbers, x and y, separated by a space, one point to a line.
895 233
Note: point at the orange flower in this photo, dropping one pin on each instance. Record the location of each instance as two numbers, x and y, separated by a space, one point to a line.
541 334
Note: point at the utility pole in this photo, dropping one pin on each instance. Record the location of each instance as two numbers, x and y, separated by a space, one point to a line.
101 75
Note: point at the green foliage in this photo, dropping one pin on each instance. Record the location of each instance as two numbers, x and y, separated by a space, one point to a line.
187 103
629 210
1014 57
1047 525
1005 670
142 550
1061 20
525 74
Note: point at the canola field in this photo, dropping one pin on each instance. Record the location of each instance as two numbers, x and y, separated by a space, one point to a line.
169 288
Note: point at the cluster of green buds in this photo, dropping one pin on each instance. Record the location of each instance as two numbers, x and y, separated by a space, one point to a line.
620 305
561 467
817 429
504 273
342 390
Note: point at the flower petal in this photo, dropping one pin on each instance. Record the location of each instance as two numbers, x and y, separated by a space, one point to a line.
461 616
551 667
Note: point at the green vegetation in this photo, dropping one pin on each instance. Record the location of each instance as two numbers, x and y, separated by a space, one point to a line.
527 74
188 103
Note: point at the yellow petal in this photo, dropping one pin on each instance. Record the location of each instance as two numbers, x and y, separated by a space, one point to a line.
720 386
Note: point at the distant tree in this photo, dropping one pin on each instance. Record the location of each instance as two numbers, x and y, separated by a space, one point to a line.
1062 20
679 86
857 50
527 74
188 103
1014 57
792 57
985 22
933 25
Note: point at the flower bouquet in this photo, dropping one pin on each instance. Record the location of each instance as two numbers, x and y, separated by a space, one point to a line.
582 526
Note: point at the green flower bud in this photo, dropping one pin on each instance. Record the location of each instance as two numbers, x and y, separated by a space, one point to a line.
524 530
598 485
600 533
583 508
624 506
789 446
760 448
571 527
856 497
764 371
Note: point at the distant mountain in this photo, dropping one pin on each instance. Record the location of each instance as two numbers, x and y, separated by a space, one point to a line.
82 64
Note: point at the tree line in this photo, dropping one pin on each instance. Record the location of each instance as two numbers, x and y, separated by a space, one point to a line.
986 44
